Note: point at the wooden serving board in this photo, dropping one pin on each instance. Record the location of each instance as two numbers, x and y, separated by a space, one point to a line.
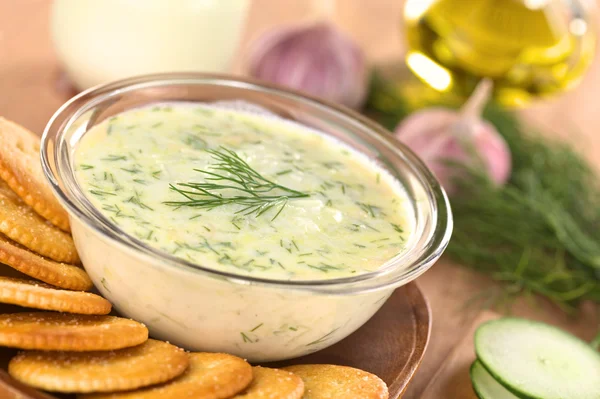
390 345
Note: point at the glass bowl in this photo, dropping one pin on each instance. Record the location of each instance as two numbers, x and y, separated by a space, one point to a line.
210 310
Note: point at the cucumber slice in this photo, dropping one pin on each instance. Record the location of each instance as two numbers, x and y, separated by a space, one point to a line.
485 386
538 361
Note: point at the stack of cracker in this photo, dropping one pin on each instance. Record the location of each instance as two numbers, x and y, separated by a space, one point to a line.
73 346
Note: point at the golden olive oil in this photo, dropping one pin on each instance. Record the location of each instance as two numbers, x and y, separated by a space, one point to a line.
530 48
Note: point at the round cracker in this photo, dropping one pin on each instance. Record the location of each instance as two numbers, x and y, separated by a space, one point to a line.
326 381
209 376
272 383
61 275
33 294
69 332
21 224
21 169
150 363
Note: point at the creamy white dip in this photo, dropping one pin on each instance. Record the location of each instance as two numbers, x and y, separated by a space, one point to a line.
352 218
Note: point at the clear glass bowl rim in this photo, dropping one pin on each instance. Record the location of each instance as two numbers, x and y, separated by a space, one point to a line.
391 276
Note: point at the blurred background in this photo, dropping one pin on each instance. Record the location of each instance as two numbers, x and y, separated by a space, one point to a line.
27 58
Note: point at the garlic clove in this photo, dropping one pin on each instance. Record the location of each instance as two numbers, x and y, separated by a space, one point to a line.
315 58
440 136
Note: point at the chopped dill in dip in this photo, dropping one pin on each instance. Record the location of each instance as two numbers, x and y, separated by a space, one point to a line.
166 174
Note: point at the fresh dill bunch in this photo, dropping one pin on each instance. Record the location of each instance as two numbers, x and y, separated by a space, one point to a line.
234 182
539 232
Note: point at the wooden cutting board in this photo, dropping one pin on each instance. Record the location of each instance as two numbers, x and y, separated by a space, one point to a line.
390 345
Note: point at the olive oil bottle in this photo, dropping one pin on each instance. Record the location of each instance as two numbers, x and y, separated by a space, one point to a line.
529 48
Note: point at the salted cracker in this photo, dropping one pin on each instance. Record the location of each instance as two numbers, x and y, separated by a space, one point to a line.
63 275
38 295
21 169
21 224
272 383
327 381
150 363
51 331
209 376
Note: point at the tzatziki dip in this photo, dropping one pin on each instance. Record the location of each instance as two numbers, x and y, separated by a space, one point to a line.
256 204
243 193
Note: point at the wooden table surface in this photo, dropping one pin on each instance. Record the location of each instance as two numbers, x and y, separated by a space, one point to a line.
29 95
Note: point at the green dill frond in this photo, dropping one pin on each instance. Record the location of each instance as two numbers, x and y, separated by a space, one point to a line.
233 182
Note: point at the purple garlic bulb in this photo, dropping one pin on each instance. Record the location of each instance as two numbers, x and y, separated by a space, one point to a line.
317 59
440 136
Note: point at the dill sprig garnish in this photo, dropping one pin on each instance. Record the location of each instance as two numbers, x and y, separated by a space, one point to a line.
234 182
